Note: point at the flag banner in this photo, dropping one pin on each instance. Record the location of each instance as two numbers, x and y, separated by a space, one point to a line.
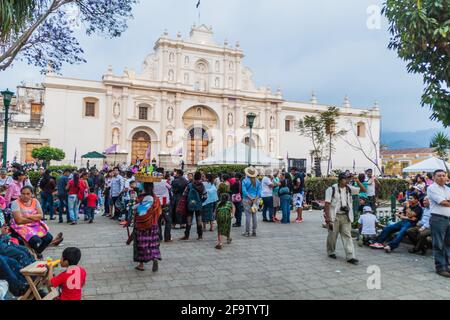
111 150
198 4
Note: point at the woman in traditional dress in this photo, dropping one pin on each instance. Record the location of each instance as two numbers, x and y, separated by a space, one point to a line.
146 231
224 215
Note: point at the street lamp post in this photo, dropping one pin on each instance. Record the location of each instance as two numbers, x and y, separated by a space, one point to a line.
250 121
7 97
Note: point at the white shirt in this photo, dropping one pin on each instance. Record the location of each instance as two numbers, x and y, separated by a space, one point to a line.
371 187
266 191
368 222
438 194
161 190
338 197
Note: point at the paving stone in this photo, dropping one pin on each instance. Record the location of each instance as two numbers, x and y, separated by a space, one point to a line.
283 262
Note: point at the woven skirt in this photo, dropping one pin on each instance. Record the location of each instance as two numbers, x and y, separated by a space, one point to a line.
146 245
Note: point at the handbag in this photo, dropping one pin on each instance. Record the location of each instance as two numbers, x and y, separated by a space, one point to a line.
235 198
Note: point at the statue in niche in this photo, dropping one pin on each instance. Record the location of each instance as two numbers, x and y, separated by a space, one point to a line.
199 112
170 113
230 119
169 139
116 110
115 136
272 122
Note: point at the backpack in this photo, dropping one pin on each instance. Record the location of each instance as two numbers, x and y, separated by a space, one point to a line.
194 202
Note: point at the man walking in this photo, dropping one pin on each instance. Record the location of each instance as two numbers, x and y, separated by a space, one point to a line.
63 196
439 195
117 187
339 216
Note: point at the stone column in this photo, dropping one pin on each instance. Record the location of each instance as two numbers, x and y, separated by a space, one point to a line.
178 116
179 62
163 123
108 118
165 69
123 120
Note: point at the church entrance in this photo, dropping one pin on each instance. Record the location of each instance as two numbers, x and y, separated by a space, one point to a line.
140 146
198 143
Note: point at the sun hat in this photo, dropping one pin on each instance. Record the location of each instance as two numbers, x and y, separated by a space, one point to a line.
251 172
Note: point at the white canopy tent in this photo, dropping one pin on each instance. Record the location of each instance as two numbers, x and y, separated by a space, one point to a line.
429 165
238 155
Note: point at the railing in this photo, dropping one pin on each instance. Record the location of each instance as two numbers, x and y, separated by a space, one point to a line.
23 124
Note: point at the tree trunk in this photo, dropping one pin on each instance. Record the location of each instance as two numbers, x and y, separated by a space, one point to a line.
317 166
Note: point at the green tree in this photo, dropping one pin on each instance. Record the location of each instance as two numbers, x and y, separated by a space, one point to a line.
421 36
441 145
13 15
48 154
311 127
329 121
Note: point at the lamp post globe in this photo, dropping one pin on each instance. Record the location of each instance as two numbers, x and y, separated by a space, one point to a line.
250 122
7 97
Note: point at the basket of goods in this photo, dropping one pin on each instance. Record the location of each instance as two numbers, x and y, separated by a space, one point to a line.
146 177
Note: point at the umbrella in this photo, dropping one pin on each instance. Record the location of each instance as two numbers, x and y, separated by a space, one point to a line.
94 155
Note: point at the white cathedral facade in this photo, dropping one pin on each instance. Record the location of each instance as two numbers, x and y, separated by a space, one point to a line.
189 101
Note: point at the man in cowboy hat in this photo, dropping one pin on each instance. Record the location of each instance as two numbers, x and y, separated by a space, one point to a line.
251 192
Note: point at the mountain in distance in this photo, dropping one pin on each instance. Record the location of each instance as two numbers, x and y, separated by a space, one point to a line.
414 139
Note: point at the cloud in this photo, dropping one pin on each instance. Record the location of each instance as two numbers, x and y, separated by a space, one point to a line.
297 45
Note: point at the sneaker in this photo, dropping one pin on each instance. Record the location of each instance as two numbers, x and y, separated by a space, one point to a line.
123 223
254 234
246 234
388 249
332 256
91 221
376 246
265 220
236 225
184 238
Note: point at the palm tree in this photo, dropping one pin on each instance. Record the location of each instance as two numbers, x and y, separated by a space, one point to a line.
14 15
441 145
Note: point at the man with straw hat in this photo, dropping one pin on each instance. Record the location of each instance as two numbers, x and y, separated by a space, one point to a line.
251 192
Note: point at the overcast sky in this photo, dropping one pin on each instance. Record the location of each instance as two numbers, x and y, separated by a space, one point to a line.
297 45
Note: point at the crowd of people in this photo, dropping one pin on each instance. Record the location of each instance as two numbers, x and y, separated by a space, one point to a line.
151 210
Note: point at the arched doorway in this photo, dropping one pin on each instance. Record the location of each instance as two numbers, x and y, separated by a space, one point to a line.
141 142
197 145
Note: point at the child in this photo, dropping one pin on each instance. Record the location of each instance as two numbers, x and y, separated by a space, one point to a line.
224 214
73 279
91 201
132 197
285 202
368 224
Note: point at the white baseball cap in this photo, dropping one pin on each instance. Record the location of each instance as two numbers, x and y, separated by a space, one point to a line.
367 209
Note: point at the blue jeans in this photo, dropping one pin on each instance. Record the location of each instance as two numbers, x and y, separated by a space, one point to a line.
74 207
16 252
268 206
10 271
47 203
400 227
89 213
285 206
440 232
63 203
100 198
238 213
